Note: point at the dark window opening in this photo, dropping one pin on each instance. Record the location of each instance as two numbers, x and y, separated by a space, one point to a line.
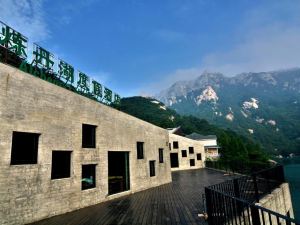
199 156
161 155
170 146
88 136
191 150
192 162
175 144
174 160
140 150
152 168
24 148
183 153
118 172
88 178
61 164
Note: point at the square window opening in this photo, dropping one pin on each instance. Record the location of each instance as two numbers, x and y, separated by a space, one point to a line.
191 150
88 178
183 153
199 156
61 164
192 162
161 155
88 136
24 148
140 150
175 145
152 168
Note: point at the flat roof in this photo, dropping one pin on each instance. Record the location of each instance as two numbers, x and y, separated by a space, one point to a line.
196 136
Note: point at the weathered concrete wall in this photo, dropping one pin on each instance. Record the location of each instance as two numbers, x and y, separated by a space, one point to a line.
184 144
278 201
29 104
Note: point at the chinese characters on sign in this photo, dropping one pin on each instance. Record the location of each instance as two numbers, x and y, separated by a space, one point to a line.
66 72
57 71
42 58
13 40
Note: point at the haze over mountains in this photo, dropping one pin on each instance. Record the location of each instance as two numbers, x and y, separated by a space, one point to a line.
263 106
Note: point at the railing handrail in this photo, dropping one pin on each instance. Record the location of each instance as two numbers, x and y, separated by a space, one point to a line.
261 182
267 169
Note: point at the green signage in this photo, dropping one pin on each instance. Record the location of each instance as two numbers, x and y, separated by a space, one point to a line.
45 66
13 40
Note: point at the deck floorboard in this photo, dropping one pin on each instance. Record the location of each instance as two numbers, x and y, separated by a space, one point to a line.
176 203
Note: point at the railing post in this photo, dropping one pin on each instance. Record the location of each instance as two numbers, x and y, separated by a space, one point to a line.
281 173
255 187
254 215
237 194
267 176
208 198
236 188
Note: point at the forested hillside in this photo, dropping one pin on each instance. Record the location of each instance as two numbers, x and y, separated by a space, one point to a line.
235 148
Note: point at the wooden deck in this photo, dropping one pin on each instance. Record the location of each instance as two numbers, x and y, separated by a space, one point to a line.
176 203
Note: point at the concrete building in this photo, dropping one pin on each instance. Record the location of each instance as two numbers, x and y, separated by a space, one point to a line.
61 151
185 153
210 144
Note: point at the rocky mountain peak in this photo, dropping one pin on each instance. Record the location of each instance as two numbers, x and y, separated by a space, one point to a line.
208 79
207 94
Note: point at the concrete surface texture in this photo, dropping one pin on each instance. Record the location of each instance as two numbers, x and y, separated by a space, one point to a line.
29 104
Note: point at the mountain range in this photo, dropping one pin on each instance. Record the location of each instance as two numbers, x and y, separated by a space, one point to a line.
263 106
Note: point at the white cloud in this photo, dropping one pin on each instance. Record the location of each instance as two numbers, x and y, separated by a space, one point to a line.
268 39
25 16
265 49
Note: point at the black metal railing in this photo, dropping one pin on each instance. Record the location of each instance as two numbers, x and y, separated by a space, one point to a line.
234 201
253 187
226 209
237 166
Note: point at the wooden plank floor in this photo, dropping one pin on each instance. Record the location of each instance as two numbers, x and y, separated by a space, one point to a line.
176 203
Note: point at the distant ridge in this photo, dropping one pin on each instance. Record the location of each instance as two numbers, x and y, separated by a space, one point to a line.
263 106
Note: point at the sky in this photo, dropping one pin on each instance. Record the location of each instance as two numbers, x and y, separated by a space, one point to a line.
140 47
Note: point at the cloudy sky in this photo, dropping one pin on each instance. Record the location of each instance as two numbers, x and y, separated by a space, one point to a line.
141 47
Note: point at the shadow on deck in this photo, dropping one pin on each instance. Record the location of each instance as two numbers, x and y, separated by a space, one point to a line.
176 203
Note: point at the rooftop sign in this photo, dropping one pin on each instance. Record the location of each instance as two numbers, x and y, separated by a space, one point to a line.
14 51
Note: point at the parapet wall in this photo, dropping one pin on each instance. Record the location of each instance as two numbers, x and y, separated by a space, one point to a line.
279 201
